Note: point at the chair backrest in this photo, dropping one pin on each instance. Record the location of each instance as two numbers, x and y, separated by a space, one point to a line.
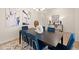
51 29
43 28
71 41
24 27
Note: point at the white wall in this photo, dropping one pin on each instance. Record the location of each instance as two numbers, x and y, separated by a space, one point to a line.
77 23
34 16
6 34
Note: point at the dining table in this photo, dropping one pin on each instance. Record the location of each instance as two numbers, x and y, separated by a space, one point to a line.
50 38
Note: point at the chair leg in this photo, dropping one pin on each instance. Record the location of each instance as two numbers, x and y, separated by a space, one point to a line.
62 40
32 45
36 45
24 46
29 45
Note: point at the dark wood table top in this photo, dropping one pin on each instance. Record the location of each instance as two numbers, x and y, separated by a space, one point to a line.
49 37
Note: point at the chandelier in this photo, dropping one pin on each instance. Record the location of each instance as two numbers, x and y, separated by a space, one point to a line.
39 9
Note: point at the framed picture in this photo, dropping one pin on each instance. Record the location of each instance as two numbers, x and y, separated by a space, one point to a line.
55 18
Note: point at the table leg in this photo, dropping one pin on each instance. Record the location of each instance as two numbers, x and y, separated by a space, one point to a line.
20 37
62 40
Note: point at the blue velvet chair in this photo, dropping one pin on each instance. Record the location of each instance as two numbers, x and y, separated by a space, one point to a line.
69 44
23 31
51 29
71 41
32 40
35 42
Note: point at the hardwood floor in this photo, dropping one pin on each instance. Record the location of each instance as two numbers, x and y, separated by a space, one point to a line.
76 44
9 45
